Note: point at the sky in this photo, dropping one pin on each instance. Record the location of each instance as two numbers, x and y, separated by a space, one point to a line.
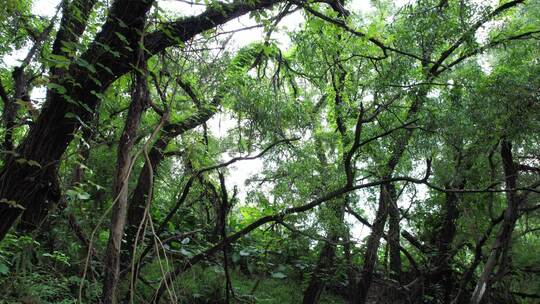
221 123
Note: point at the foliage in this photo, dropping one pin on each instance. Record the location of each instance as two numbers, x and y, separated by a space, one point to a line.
364 159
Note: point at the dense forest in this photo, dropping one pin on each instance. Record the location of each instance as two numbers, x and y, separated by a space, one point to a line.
269 151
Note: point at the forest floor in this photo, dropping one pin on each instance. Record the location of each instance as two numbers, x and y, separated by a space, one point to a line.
199 286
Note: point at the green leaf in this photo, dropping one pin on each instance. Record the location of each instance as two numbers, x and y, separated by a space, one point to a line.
185 252
4 269
86 64
34 163
56 87
83 195
278 275
121 37
59 61
235 257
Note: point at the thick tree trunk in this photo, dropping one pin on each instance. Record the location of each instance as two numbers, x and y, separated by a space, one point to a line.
48 138
321 272
372 246
45 198
74 20
446 236
221 209
394 234
120 193
70 30
145 181
374 239
351 270
225 205
388 204
461 296
388 197
24 182
326 263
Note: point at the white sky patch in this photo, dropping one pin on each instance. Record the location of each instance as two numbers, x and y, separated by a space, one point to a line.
434 93
38 95
482 37
360 6
357 229
15 58
45 8
484 63
240 172
220 124
183 8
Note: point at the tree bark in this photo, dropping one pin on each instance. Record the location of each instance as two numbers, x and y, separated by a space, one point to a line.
326 263
394 234
461 296
120 192
11 107
70 30
24 182
446 236
388 197
148 173
49 137
321 272
504 235
223 211
352 293
370 254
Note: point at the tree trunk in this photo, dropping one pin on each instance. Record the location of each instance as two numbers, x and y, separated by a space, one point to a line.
351 271
120 192
70 30
461 296
389 198
24 182
44 199
394 234
447 234
326 263
223 212
148 173
374 239
321 272
505 231
137 204
11 107
48 138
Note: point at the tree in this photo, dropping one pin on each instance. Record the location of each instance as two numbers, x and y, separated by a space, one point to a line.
381 154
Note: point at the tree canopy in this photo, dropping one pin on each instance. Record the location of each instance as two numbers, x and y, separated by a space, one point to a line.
315 151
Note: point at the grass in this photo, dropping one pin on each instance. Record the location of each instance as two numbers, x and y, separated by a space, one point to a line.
205 286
